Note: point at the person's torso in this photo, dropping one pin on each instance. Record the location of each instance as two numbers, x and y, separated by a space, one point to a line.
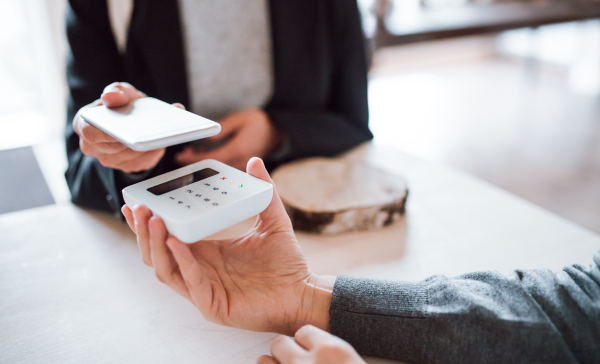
227 46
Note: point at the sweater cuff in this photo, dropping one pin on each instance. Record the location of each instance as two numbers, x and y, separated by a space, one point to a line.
381 318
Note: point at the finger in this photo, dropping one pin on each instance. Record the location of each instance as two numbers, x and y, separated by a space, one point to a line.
110 148
188 156
80 124
130 160
285 350
308 336
78 119
193 275
275 211
110 160
114 95
129 217
239 149
93 135
144 161
225 154
141 216
229 126
265 359
165 267
178 105
132 91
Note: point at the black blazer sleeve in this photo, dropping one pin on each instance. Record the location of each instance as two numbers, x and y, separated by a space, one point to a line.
92 63
529 316
320 96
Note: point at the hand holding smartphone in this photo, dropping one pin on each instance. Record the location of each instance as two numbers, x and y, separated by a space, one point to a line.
148 123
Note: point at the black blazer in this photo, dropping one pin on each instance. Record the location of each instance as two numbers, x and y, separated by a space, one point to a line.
320 79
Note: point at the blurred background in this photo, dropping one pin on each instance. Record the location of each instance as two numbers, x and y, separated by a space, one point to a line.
508 91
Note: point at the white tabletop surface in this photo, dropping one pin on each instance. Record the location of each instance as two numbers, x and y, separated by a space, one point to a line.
73 288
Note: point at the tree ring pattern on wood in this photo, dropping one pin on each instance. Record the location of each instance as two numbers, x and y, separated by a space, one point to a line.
336 195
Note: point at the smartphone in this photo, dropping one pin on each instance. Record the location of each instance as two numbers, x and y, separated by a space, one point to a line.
148 123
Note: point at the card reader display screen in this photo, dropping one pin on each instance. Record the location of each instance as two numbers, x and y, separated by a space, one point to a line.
179 182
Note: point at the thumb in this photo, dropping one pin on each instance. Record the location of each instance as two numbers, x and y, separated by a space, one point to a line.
275 213
119 94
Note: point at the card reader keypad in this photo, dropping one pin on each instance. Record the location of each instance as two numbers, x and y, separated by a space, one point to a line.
205 195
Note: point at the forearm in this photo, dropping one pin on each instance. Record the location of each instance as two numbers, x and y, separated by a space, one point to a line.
530 316
318 133
98 187
91 184
92 63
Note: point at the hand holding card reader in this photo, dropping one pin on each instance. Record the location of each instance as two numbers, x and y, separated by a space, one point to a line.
201 199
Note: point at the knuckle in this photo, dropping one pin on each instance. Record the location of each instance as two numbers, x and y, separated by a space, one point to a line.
331 349
124 164
84 147
112 87
126 168
77 121
211 318
303 331
277 341
147 262
161 277
263 359
105 162
243 149
86 131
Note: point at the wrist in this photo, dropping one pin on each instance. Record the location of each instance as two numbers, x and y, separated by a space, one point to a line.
275 136
317 301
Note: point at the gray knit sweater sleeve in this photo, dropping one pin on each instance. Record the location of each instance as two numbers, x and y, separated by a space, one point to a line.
530 316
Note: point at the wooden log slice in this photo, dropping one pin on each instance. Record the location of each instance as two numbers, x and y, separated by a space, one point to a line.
336 195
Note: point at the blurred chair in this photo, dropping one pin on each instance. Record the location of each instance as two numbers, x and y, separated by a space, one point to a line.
22 185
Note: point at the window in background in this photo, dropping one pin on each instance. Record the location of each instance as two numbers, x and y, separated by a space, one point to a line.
32 86
31 91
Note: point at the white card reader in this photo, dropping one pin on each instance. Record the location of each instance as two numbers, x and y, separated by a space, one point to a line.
201 199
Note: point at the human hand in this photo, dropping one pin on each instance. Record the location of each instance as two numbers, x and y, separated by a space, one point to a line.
311 345
246 134
110 152
259 281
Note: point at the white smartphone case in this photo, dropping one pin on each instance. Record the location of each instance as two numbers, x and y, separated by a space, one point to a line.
149 123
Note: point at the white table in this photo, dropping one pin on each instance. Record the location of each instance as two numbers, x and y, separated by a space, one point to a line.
73 288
